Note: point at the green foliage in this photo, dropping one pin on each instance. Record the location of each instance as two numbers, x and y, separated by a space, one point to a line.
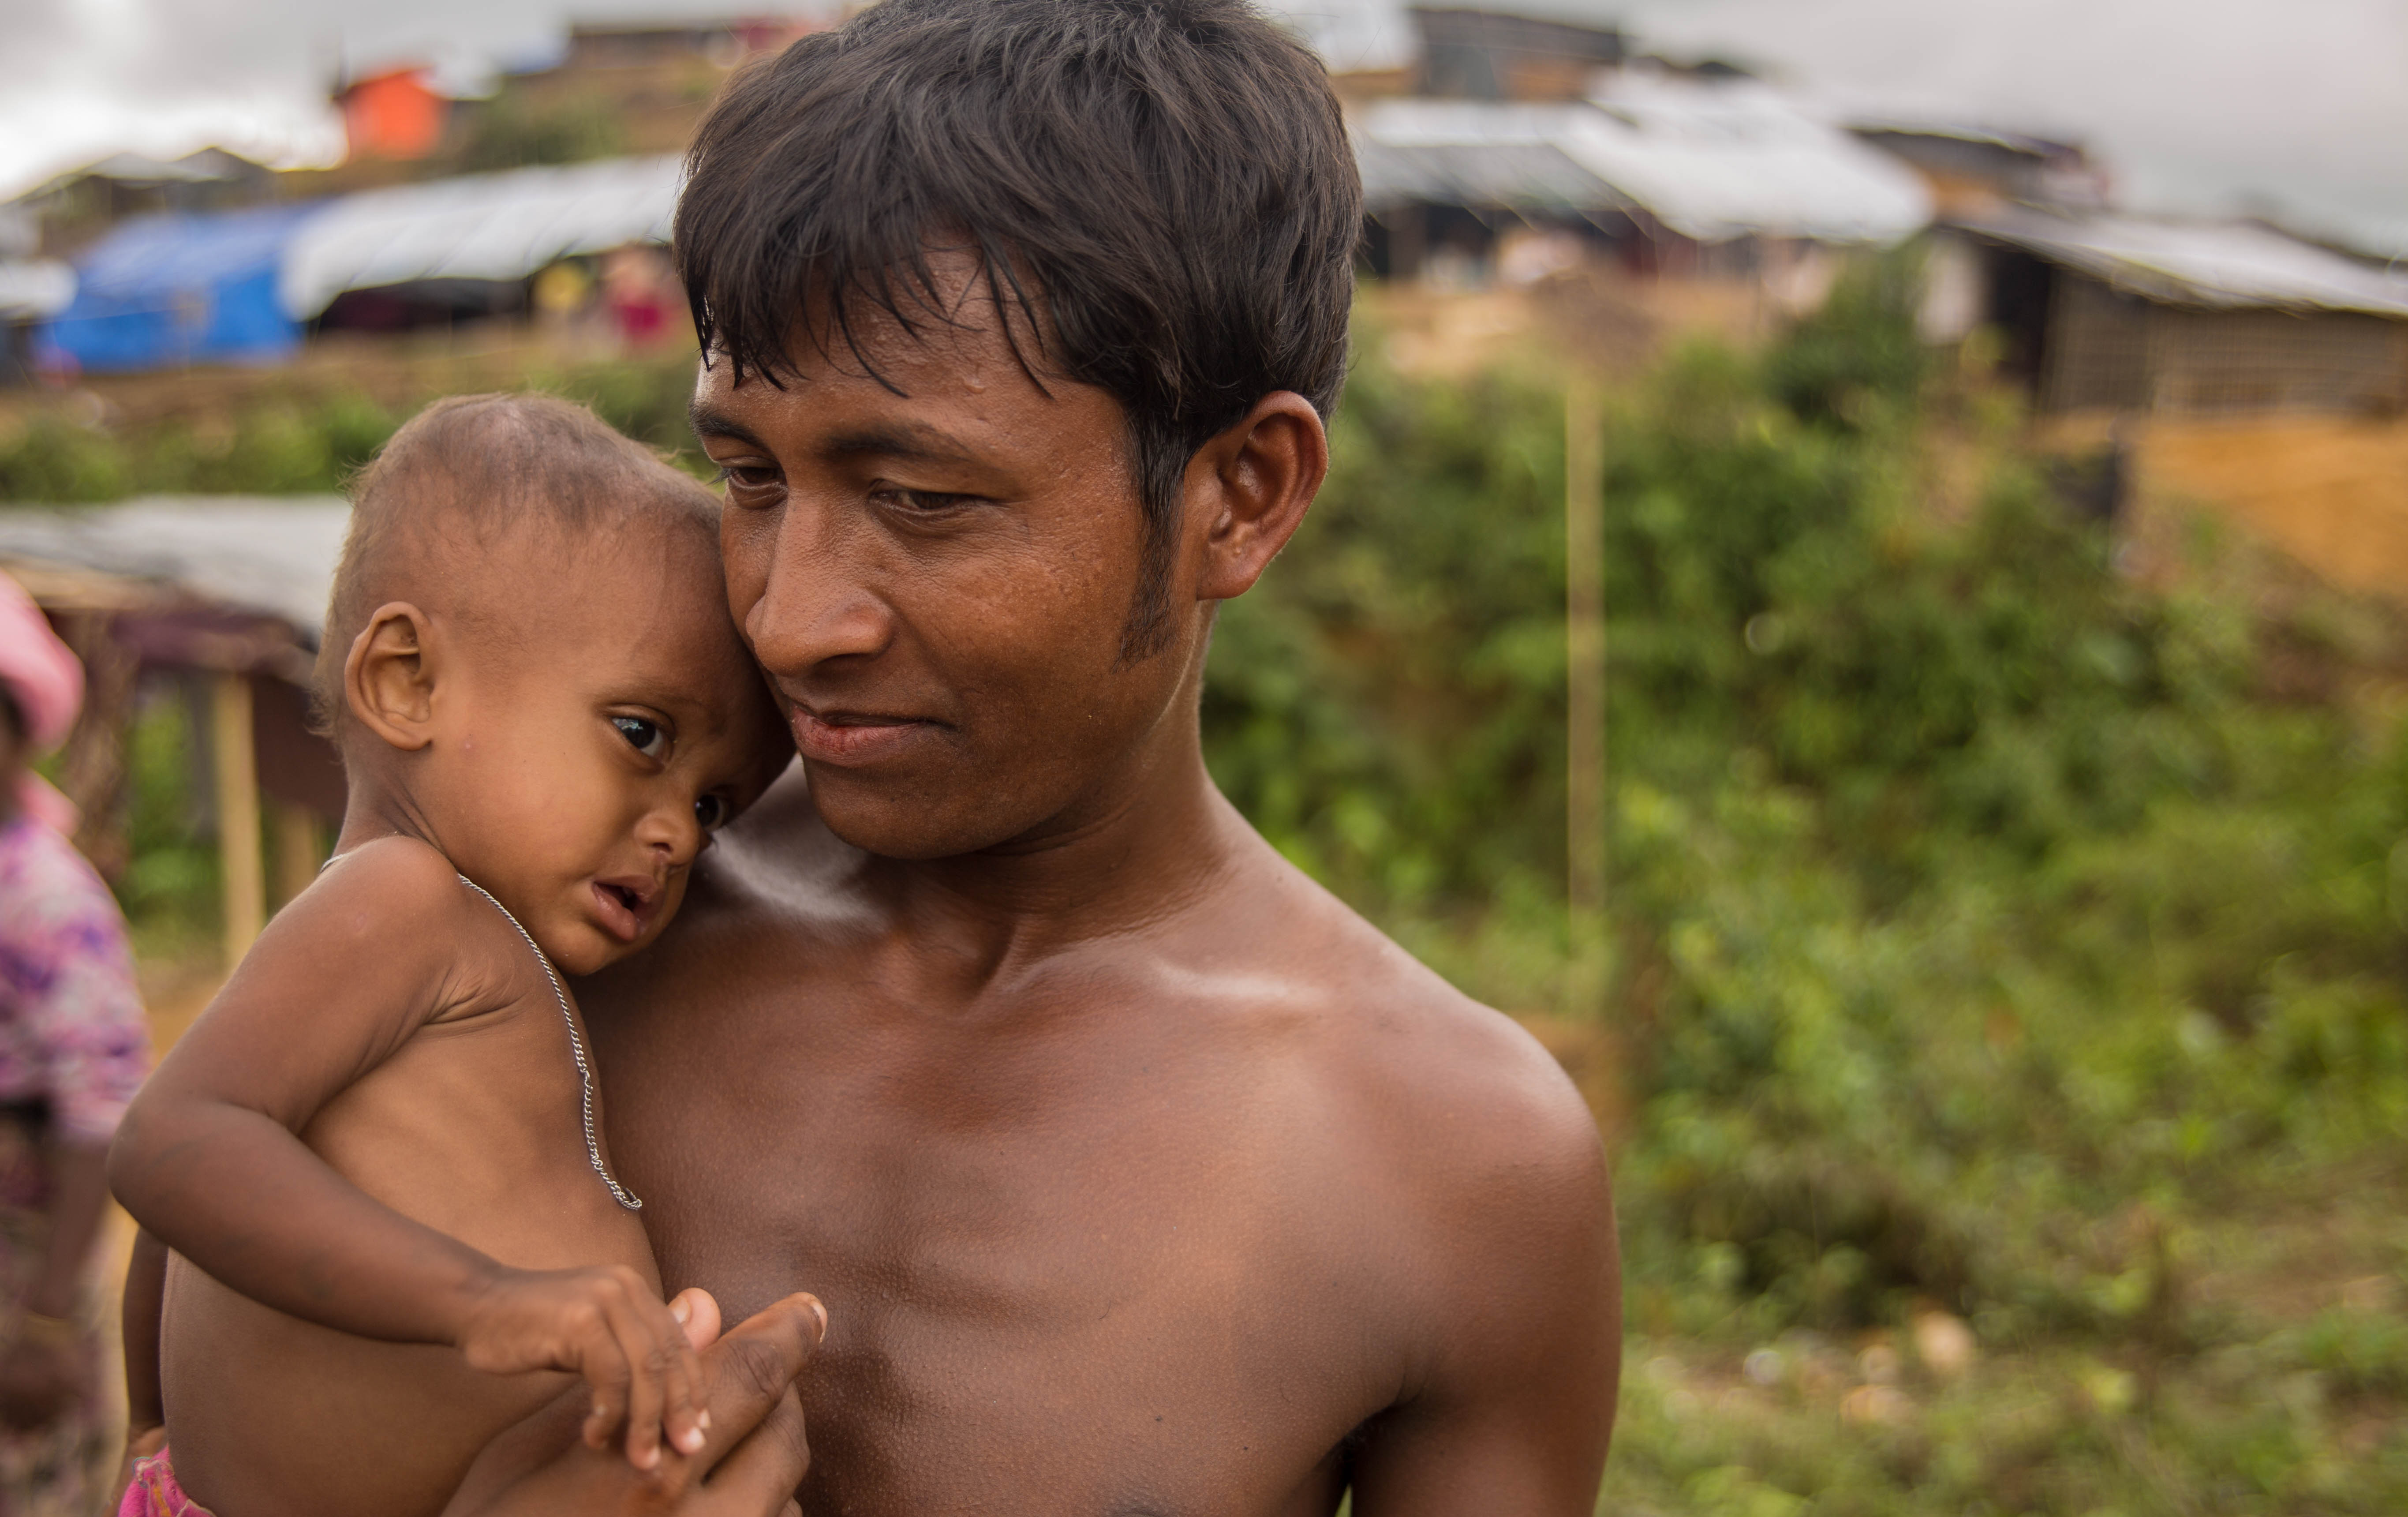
1966 897
1858 360
296 441
170 890
53 459
511 131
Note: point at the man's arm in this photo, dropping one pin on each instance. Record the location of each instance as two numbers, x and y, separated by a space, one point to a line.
754 1458
1511 1411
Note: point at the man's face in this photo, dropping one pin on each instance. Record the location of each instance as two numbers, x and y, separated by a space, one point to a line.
936 582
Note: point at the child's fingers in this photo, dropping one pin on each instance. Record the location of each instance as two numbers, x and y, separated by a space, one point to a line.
606 1371
648 1358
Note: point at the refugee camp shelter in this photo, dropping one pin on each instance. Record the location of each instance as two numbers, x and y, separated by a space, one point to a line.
32 290
1668 174
244 286
175 288
1973 169
218 601
2133 313
467 245
1484 54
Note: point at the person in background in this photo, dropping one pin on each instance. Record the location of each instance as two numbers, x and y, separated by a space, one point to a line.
73 1049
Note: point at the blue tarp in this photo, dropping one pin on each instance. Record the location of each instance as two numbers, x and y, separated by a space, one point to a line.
169 289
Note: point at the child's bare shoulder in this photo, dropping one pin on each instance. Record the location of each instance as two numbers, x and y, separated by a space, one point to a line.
397 899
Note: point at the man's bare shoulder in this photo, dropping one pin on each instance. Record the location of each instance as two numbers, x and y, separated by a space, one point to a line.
1470 1097
1474 1161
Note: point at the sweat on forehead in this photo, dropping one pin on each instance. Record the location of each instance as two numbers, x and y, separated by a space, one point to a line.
476 476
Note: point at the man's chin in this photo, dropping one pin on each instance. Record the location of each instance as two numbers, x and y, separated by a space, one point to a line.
912 828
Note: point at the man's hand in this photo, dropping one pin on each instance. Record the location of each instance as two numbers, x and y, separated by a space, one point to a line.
753 1453
607 1326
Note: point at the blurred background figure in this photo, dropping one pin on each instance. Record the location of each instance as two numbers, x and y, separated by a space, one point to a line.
642 294
73 1048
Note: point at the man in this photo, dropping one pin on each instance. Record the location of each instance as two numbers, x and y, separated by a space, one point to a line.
1137 1173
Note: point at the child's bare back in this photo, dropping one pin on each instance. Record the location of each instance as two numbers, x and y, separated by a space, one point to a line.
378 1157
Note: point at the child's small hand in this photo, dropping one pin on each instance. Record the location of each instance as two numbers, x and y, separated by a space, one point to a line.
608 1326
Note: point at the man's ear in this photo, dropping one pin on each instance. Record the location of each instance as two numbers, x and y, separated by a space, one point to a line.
1250 487
389 677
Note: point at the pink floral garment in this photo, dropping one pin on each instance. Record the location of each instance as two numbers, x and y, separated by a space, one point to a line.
155 1494
72 1035
73 1047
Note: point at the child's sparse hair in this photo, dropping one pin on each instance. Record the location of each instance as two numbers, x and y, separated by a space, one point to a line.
465 472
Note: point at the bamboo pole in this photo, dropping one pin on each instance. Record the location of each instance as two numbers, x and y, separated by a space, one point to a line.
1584 638
297 851
242 867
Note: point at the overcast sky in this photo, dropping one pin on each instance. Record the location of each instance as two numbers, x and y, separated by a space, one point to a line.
2294 106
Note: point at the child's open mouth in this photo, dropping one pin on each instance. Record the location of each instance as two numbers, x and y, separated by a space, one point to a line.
625 907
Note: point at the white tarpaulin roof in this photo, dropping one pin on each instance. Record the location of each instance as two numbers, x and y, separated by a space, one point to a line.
485 226
1710 161
2221 264
1354 36
34 289
272 555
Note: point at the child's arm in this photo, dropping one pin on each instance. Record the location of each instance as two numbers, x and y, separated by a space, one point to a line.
208 1160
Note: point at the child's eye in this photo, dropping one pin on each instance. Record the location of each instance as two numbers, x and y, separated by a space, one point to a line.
645 738
712 811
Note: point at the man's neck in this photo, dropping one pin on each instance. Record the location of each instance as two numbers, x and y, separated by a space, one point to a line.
1136 852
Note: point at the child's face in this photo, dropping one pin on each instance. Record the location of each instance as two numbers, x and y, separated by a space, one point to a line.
587 746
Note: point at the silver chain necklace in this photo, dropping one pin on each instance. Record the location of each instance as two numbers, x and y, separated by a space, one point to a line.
576 1050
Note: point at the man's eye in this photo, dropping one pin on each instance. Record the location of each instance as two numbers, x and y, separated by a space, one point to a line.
712 812
747 476
922 502
646 737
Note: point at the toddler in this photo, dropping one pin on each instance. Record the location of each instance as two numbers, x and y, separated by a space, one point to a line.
377 1159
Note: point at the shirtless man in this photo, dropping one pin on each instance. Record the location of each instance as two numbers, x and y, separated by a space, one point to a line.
1138 1174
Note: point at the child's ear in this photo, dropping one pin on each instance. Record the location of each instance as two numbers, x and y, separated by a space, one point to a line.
389 678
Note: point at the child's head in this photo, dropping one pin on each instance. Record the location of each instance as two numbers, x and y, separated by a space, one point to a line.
529 664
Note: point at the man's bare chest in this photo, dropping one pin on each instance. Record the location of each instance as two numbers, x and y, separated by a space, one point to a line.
1135 1293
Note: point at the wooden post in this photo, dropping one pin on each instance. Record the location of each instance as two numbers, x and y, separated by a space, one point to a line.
92 771
298 851
241 865
1585 979
1584 637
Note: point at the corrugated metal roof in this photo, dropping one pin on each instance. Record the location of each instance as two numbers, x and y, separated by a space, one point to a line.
484 226
2229 265
273 556
1710 161
1512 162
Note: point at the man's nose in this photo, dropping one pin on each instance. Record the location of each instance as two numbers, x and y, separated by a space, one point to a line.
816 602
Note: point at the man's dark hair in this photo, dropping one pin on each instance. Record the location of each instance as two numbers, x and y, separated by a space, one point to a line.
1162 188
